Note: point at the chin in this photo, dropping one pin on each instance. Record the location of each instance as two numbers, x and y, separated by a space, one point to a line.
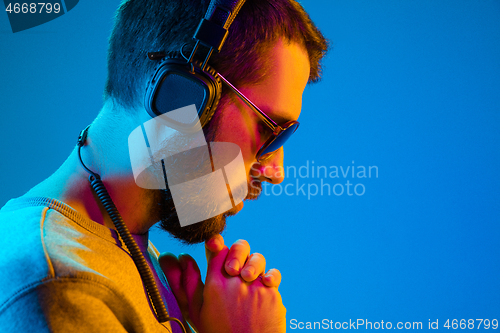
201 231
239 206
235 210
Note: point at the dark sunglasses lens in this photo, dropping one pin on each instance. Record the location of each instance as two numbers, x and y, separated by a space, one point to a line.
280 140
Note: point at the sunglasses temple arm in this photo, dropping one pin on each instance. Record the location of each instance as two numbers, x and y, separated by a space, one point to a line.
269 122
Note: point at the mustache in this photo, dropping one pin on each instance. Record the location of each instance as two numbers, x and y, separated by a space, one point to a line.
254 189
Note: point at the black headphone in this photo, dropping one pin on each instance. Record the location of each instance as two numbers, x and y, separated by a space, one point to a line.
179 81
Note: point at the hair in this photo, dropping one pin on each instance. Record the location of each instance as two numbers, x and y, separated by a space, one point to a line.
143 26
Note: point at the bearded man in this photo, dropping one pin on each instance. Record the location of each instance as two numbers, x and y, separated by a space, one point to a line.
68 265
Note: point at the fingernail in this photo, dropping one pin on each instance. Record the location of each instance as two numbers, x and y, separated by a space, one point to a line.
234 264
249 271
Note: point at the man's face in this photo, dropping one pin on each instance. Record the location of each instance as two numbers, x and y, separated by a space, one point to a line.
279 95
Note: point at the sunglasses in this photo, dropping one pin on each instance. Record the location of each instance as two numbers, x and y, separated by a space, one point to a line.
280 133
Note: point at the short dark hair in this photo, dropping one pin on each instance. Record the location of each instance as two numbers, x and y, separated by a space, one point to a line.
143 26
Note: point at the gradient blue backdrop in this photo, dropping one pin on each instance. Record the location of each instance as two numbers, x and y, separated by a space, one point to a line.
412 87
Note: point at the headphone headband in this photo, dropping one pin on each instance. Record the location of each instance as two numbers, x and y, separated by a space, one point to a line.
180 81
213 28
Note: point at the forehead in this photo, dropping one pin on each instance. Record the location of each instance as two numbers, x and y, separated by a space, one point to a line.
279 94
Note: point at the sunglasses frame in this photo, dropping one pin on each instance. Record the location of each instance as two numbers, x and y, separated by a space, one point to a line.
277 130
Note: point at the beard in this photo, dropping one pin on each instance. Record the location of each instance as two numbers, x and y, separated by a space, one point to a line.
166 214
163 208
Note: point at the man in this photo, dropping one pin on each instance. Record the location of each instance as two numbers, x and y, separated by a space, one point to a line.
65 268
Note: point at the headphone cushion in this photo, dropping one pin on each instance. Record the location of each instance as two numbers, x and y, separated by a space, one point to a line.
174 85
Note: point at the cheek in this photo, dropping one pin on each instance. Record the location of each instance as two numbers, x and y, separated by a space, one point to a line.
232 127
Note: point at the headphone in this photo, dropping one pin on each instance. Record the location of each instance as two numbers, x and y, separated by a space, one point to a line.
180 80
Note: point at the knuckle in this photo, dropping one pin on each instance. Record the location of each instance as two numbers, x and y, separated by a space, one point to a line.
269 295
262 293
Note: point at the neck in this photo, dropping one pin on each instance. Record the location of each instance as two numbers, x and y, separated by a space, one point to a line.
108 157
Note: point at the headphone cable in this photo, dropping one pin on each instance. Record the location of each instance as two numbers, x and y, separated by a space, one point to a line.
134 250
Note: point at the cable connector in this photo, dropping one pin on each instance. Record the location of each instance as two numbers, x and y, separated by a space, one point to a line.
83 136
156 55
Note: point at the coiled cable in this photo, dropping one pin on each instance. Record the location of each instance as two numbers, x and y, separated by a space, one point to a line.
135 252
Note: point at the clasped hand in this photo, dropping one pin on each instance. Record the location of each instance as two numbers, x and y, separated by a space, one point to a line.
236 296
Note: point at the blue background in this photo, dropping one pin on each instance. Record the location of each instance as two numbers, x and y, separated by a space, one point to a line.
412 87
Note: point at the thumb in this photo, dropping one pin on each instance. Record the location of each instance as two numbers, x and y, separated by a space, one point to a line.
184 279
172 270
192 285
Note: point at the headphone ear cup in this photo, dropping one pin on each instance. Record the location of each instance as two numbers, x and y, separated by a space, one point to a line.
216 85
176 84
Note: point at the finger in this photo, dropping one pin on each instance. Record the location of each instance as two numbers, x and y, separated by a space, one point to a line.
272 278
193 286
172 270
237 256
215 263
255 266
215 243
213 246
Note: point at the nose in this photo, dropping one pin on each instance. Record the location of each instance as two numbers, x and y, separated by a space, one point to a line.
270 170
